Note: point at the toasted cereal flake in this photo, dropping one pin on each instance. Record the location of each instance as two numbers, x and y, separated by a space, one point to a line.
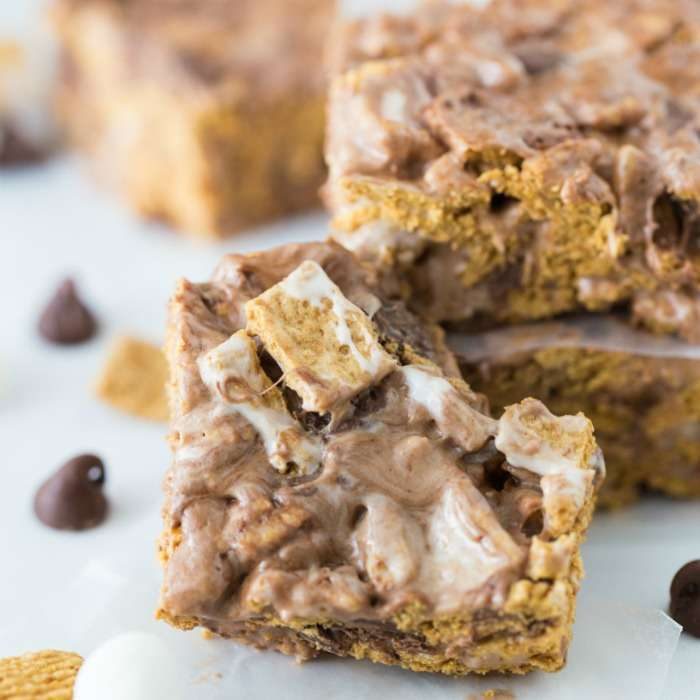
325 345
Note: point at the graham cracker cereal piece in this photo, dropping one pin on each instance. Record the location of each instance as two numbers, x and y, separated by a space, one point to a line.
233 371
41 675
555 448
133 379
326 346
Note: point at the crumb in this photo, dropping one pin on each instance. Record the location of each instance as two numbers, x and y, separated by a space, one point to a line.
133 379
208 677
493 694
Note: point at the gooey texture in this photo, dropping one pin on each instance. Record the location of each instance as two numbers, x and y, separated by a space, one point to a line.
523 159
412 502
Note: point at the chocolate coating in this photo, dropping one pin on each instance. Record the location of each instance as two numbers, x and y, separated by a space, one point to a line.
66 320
72 498
685 597
306 489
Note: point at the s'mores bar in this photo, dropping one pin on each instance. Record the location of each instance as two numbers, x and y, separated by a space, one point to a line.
641 392
206 114
524 158
336 487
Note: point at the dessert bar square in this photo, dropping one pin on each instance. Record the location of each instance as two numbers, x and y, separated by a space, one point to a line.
206 114
336 487
642 393
524 159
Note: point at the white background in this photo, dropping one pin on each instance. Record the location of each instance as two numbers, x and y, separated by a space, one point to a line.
65 589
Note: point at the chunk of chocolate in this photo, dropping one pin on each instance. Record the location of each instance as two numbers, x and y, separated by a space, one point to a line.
66 320
685 597
72 498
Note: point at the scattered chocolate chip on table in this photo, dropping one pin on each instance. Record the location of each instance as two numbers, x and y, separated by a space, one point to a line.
66 320
73 498
685 598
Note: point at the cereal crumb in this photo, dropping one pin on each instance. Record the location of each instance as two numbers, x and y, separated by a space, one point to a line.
493 694
133 379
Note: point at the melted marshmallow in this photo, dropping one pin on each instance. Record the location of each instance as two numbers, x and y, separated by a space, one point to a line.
451 412
466 546
235 361
428 390
393 105
548 446
381 240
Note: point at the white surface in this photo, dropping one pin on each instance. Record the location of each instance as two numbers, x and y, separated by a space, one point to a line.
76 590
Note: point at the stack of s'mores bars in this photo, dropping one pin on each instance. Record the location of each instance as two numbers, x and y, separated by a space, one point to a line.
523 174
526 160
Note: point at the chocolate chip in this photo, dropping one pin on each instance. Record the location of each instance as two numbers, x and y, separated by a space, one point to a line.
15 150
536 58
72 499
685 598
396 322
66 320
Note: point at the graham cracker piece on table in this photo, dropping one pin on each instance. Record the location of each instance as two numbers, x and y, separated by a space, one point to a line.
41 675
133 379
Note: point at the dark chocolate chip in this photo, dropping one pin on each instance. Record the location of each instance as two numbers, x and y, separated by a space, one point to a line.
685 598
536 58
397 323
72 499
66 320
15 150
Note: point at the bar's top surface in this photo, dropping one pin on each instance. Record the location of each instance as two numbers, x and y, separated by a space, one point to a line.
274 45
556 142
521 78
323 469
